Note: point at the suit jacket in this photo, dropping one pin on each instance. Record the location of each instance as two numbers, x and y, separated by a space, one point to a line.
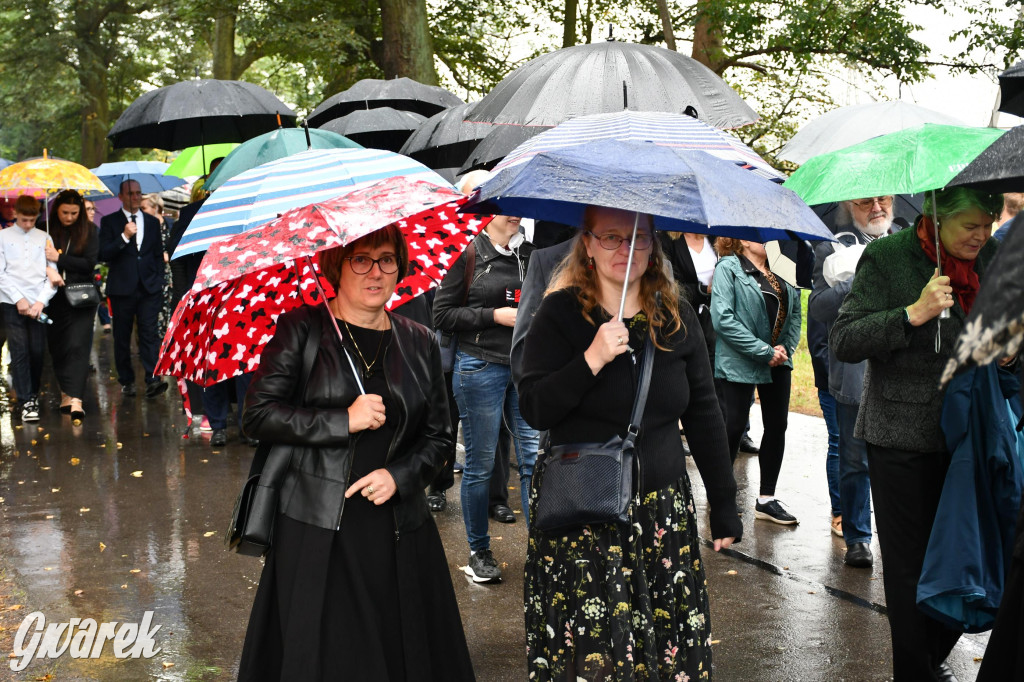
132 267
901 405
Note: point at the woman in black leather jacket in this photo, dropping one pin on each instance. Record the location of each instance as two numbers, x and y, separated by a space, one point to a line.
356 584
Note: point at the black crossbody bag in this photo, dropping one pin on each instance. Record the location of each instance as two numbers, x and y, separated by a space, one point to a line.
592 483
82 295
252 521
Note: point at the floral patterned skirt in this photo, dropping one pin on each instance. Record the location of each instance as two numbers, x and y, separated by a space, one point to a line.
614 602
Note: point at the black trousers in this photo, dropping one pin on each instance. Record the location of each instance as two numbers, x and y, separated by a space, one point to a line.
735 400
144 309
906 487
70 341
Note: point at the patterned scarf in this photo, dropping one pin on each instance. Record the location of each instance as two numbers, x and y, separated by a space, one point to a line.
962 276
780 319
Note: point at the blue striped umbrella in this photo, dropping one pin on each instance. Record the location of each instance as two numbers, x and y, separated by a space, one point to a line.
257 196
664 129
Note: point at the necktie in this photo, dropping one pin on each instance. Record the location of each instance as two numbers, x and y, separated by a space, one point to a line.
135 236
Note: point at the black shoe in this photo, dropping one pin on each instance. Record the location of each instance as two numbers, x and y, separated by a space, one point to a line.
155 388
503 514
747 446
128 390
219 438
251 442
858 555
483 568
773 511
437 501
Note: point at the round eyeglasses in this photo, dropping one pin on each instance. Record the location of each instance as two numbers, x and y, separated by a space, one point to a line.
613 241
361 265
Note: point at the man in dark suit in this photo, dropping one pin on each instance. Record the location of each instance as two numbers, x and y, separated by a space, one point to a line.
132 248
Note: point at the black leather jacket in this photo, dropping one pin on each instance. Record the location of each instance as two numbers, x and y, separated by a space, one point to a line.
313 489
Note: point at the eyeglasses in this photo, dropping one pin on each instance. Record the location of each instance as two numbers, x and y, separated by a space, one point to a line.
613 241
884 202
361 265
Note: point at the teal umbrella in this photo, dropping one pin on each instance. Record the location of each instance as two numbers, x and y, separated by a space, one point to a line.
195 161
272 146
926 157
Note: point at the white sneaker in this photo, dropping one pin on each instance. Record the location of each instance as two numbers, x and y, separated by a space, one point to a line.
30 411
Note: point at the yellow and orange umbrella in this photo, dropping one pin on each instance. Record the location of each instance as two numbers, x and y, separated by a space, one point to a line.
42 176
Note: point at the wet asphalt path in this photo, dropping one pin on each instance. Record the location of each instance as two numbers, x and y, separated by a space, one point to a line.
122 516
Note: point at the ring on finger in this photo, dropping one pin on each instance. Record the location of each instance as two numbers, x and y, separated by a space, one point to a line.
369 489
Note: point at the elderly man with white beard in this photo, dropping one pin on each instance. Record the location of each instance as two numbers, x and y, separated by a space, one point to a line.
869 219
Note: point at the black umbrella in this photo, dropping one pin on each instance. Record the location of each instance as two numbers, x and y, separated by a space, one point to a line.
611 76
998 169
905 210
199 112
398 93
381 128
445 140
995 327
498 144
1011 90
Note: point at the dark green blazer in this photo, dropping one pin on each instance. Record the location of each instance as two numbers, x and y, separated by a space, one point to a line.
902 403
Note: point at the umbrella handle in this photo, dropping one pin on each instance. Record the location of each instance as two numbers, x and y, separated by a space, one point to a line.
945 314
629 266
323 297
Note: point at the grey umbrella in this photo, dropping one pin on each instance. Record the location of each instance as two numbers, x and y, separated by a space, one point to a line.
446 139
998 169
498 144
380 128
404 94
611 76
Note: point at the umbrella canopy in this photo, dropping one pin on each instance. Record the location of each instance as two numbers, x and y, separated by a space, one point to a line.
272 146
195 161
995 327
198 112
684 190
918 159
380 128
151 175
404 94
257 196
857 123
998 169
246 281
663 129
446 139
1011 90
46 175
611 76
498 144
4 163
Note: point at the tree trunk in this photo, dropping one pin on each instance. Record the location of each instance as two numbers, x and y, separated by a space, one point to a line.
707 37
224 45
407 46
666 25
569 23
95 113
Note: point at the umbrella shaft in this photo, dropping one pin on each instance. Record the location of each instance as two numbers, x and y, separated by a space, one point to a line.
629 267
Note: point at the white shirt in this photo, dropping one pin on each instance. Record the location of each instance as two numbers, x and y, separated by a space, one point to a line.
23 266
704 262
140 222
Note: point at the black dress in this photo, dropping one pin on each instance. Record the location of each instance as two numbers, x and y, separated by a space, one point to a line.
359 603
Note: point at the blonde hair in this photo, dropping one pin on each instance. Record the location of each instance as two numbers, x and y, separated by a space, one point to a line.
575 272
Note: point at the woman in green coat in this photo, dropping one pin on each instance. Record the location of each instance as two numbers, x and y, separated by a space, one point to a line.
756 315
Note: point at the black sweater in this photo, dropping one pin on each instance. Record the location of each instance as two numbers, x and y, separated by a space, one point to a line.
558 392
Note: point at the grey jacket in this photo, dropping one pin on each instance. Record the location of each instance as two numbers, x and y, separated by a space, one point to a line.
901 406
845 379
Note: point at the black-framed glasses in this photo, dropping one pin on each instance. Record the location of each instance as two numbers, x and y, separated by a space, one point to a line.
613 241
361 265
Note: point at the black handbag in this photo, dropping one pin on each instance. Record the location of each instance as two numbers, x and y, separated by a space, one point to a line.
252 521
82 295
591 483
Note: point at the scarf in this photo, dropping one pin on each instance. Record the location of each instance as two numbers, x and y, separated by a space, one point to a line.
962 276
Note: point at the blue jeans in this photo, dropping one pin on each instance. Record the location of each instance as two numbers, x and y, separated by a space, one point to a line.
828 410
854 482
26 342
484 392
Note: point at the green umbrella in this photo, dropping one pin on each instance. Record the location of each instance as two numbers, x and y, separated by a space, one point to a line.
194 161
909 161
272 146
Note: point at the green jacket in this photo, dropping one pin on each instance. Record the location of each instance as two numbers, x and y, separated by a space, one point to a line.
743 348
901 406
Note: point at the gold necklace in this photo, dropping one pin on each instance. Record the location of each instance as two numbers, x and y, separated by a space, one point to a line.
380 343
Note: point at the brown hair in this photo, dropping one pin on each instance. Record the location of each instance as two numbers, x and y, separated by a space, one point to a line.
78 232
332 260
575 272
728 246
26 205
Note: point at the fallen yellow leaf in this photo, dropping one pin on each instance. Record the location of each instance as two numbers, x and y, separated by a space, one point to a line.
103 445
204 461
78 593
209 534
137 474
135 570
167 664
34 441
46 436
47 568
49 516
16 607
119 446
146 435
75 461
83 510
102 547
125 586
52 490
716 641
45 468
730 572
